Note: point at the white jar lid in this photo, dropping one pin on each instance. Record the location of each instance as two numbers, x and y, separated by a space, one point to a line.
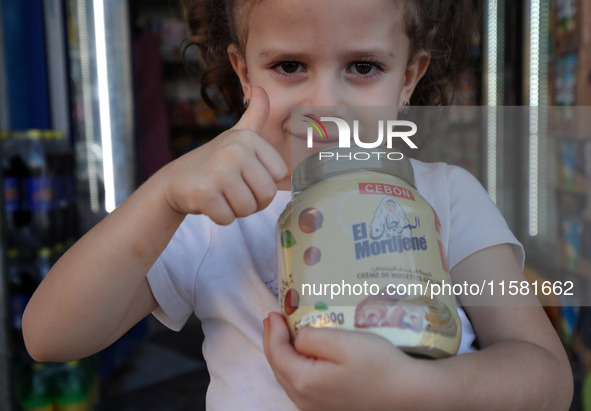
346 159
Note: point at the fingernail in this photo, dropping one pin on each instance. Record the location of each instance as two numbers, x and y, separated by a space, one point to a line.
282 318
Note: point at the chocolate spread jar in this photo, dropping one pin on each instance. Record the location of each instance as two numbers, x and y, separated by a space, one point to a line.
359 249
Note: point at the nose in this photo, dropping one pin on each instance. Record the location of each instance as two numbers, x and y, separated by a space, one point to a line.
324 90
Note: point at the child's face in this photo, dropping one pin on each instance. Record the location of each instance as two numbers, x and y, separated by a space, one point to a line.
325 53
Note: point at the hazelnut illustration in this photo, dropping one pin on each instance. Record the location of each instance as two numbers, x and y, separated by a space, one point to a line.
310 220
312 255
291 302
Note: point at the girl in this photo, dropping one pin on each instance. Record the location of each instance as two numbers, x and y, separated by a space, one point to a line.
198 237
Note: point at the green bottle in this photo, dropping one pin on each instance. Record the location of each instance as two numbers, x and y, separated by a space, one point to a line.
72 389
38 396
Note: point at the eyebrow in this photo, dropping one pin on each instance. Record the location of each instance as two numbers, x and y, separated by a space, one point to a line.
347 54
375 52
280 54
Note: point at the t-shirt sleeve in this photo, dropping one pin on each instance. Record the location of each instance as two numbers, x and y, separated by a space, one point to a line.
475 221
172 277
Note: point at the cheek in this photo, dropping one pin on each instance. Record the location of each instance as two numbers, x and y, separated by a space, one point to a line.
388 94
280 109
280 100
277 122
380 94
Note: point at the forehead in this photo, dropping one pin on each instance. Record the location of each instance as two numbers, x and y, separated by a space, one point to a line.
327 25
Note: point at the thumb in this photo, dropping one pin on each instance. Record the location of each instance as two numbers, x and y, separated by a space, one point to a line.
255 116
334 345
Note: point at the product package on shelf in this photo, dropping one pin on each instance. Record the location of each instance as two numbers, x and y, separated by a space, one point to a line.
574 171
572 142
575 246
71 386
583 80
571 33
570 127
565 22
40 221
565 79
39 180
571 24
39 214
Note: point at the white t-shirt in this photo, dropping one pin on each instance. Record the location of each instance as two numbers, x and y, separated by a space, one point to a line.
227 276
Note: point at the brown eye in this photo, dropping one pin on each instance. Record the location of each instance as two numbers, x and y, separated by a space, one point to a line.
364 68
289 67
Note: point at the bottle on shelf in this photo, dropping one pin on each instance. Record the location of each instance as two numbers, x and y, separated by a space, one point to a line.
38 191
37 393
28 192
72 388
14 173
21 285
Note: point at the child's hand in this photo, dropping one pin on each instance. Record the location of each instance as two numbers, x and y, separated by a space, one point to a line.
234 175
342 370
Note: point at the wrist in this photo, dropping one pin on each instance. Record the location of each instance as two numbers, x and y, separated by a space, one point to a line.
424 386
161 186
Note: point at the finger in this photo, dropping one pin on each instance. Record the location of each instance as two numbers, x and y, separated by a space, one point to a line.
218 210
240 197
260 182
282 356
255 116
269 345
326 344
277 339
272 160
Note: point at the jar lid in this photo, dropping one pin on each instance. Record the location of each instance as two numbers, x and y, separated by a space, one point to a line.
338 160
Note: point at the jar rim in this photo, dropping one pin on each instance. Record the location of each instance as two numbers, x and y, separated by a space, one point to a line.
338 160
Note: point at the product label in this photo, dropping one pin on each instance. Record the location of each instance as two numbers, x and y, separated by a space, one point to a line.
385 189
38 194
362 253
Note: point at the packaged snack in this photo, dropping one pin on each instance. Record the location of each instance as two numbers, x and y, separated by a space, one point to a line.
360 249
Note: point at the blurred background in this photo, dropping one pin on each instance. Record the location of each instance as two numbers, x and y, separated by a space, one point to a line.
95 96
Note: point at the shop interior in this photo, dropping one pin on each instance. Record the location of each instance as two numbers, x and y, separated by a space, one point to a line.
96 96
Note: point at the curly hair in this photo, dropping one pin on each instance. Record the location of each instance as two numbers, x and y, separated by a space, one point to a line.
438 27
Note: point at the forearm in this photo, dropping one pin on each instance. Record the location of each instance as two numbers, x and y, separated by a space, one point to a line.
89 293
508 375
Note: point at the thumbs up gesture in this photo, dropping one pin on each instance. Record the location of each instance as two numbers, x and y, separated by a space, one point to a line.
255 116
234 175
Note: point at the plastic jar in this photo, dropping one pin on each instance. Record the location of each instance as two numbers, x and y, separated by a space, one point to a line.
359 249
